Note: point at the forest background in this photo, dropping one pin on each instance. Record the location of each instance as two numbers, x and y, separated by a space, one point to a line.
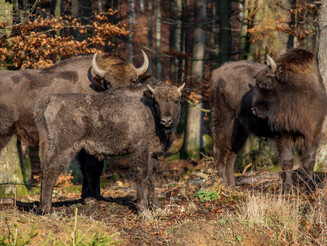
184 40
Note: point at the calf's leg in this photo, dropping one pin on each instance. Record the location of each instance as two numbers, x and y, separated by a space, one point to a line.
55 162
143 170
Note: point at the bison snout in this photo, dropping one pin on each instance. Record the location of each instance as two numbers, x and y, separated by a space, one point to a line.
254 111
166 122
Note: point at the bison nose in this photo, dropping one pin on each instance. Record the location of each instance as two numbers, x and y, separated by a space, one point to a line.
254 111
167 122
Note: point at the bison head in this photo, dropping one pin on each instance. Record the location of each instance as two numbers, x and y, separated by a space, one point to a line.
167 104
268 82
116 71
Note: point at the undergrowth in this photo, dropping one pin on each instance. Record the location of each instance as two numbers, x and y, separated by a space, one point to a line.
15 237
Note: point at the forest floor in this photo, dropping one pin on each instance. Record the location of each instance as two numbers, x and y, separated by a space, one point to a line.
195 210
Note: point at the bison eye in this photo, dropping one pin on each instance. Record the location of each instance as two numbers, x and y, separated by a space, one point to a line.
176 101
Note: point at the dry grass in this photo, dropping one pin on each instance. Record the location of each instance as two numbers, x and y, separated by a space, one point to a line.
289 220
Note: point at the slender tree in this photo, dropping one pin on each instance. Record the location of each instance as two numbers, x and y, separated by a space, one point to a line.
150 33
175 37
131 18
194 120
157 14
224 9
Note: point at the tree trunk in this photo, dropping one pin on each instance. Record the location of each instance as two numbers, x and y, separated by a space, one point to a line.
10 169
11 177
193 142
175 38
131 18
321 161
224 30
157 14
184 40
244 30
150 33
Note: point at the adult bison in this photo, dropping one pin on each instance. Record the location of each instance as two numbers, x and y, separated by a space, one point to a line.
19 91
284 100
139 121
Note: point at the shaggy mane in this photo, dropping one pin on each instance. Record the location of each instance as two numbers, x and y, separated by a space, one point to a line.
298 60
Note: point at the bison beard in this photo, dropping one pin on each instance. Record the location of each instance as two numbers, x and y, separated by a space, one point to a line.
130 120
286 101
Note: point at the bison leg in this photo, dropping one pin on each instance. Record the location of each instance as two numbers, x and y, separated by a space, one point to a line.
223 156
229 137
55 162
144 169
308 160
91 169
285 148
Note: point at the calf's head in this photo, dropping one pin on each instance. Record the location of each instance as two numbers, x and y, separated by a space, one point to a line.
167 104
268 82
118 72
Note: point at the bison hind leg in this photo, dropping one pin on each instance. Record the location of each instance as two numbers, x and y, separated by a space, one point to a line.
52 166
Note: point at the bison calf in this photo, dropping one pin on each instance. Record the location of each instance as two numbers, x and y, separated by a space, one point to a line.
284 100
139 121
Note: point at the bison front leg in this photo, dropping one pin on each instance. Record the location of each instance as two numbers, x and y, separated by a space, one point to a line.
144 169
285 148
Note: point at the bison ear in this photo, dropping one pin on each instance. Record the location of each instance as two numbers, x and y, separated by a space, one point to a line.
281 74
186 92
148 94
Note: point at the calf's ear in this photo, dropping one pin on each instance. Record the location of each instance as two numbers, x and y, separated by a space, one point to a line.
281 74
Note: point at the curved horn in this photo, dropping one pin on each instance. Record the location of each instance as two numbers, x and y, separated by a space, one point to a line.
98 71
141 70
181 87
271 63
150 88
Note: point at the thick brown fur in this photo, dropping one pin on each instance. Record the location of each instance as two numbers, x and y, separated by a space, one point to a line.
131 120
289 104
296 104
19 91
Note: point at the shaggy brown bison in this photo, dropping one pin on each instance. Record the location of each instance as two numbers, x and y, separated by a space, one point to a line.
139 121
284 100
19 91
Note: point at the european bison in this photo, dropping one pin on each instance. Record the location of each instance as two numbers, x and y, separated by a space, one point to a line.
285 100
19 91
139 121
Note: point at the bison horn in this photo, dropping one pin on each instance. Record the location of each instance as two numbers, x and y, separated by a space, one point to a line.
181 88
141 70
271 63
150 88
98 71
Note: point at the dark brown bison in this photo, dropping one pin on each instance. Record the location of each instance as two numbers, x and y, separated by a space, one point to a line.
285 100
139 121
19 91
